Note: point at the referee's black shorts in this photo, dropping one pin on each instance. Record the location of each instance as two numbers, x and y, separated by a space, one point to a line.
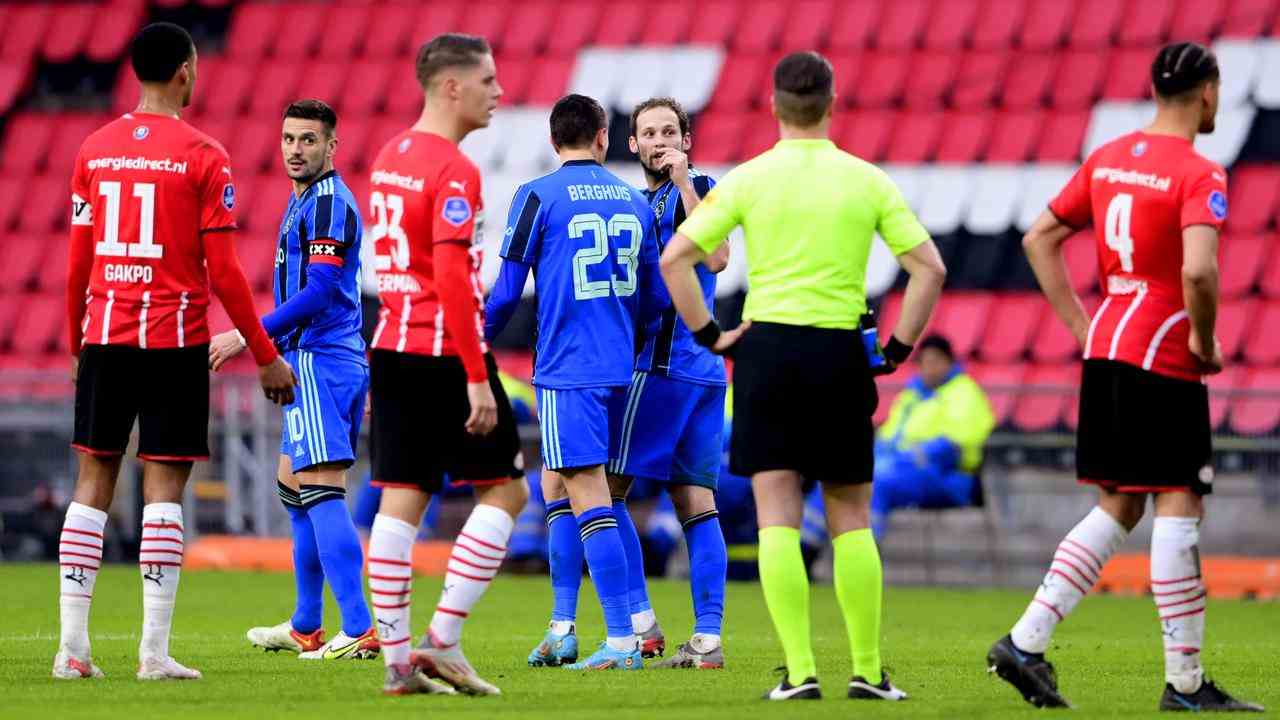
803 398
1140 432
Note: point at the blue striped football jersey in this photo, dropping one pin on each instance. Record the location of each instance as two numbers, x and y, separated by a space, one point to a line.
323 223
592 242
671 351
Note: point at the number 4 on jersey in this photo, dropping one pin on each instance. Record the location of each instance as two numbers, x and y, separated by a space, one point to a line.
1118 235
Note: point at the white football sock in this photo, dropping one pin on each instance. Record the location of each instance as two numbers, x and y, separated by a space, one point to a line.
1076 566
626 643
477 554
1179 594
391 584
562 627
160 562
643 621
704 642
79 558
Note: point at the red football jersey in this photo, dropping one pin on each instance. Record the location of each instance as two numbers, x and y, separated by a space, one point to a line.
1141 191
149 185
423 191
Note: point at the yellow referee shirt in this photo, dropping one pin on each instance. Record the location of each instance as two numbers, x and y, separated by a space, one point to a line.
809 211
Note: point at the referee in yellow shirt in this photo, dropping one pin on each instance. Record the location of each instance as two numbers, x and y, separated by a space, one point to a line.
803 387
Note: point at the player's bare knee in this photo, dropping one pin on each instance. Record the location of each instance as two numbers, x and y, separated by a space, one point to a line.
164 481
404 504
553 486
96 480
691 500
1179 504
1127 509
619 486
284 473
331 474
509 497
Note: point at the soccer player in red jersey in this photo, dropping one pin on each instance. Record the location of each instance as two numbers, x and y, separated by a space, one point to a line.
151 209
1157 207
438 408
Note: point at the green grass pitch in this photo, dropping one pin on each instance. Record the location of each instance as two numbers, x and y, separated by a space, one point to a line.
1108 656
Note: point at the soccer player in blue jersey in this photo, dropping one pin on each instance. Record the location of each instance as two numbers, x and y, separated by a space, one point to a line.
316 323
671 430
590 240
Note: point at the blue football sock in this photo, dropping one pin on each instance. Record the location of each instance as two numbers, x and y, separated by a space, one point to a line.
607 561
308 573
637 591
340 553
564 553
708 564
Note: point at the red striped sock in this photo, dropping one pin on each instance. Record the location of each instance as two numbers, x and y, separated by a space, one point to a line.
1076 567
477 555
79 558
160 563
391 584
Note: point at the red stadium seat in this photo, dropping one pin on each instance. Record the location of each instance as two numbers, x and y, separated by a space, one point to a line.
808 25
275 87
1243 259
1002 383
73 22
302 31
255 144
257 256
715 22
888 393
11 201
868 132
668 23
531 24
1248 18
887 314
366 94
1079 79
1270 282
768 17
1221 387
113 31
1197 20
126 93
1009 334
1236 319
760 134
902 24
1081 254
979 78
1048 391
439 17
227 88
1254 190
931 77
964 136
254 27
1262 348
14 76
575 24
1027 83
344 31
53 271
1147 23
1045 24
740 81
390 34
23 262
1062 138
964 317
884 75
515 72
915 137
550 80
847 67
719 136
27 25
37 327
26 139
1054 342
622 24
853 24
404 95
1129 74
324 80
69 132
487 20
45 204
1014 136
264 216
950 24
1096 24
1000 22
1257 410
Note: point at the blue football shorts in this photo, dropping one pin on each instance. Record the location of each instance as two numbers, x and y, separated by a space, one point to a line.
671 431
580 426
323 423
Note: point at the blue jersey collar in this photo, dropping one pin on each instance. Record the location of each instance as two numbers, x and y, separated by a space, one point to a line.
316 182
567 163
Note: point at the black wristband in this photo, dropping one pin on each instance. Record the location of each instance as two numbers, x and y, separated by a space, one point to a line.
896 351
707 336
